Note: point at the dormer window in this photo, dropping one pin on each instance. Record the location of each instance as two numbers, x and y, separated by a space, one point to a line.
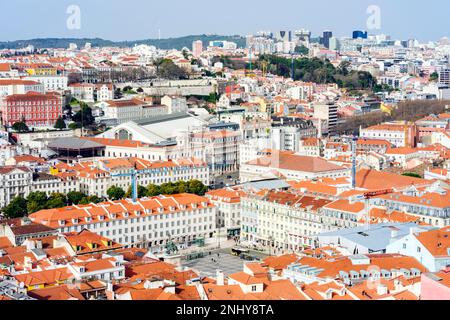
137 213
101 218
74 220
126 214
62 222
160 209
88 219
194 205
82 269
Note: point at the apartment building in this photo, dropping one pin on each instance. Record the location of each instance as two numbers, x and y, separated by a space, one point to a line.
221 149
431 205
14 181
82 91
51 83
17 86
96 177
430 247
281 220
150 222
228 203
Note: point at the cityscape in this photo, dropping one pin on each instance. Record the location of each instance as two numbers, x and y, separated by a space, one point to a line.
283 164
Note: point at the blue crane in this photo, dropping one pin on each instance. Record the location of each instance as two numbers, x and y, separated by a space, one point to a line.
133 174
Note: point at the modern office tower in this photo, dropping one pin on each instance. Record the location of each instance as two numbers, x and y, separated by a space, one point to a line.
283 36
197 48
327 35
358 34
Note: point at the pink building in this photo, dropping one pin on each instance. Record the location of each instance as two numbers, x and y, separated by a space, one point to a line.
436 286
38 109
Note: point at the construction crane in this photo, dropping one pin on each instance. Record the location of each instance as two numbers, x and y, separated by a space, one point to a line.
367 196
354 147
133 174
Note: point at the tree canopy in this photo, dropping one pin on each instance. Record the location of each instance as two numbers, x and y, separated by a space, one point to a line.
115 193
60 124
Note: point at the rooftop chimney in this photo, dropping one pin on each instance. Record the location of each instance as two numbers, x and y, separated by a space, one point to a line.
382 289
220 278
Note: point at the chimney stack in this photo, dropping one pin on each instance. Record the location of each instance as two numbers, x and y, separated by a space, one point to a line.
220 278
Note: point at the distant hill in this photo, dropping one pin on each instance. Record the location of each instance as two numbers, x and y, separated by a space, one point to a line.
169 43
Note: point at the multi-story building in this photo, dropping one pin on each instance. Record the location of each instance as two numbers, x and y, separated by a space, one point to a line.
431 206
37 109
281 220
289 165
122 111
105 92
50 184
51 83
397 134
14 181
82 91
221 149
15 86
327 112
149 222
444 77
175 104
96 177
228 203
197 48
430 247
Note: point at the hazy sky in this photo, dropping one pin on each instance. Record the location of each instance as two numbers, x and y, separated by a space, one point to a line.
141 19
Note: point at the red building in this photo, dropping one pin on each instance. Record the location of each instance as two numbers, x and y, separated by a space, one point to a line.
38 109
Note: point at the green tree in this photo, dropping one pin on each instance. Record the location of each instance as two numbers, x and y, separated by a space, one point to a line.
20 126
60 124
168 188
182 187
75 197
153 190
197 187
36 201
84 117
167 69
90 199
56 200
115 193
17 208
302 50
412 174
74 126
434 76
142 192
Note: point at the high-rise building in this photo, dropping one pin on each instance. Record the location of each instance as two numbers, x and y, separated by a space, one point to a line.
444 77
197 48
283 36
327 35
302 36
327 112
358 34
